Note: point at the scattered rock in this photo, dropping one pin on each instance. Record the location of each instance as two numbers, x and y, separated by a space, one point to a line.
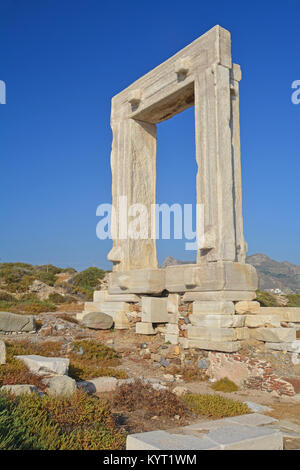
61 385
99 385
41 289
180 390
97 321
203 364
169 377
2 352
19 389
164 362
45 365
12 322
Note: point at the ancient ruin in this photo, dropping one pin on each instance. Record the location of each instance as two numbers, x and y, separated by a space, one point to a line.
209 305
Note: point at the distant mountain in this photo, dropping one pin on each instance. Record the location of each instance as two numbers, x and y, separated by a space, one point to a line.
275 275
271 274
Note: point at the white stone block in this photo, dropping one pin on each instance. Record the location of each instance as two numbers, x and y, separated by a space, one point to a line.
224 296
162 440
211 334
170 338
217 321
247 307
173 303
222 346
45 365
154 310
274 335
172 329
218 307
238 437
294 346
145 328
173 318
104 296
110 308
242 333
256 321
287 314
121 321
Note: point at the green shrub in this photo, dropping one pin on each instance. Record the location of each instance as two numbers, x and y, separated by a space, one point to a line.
89 359
225 385
294 300
266 299
215 406
89 278
81 422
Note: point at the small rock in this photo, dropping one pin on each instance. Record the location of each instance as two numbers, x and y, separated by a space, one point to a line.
177 417
203 364
99 385
97 321
159 387
164 362
180 390
169 377
61 385
144 345
19 389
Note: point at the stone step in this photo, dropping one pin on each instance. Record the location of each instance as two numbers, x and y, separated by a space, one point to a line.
104 296
246 432
217 321
210 307
274 335
209 345
287 314
244 307
145 328
294 346
256 321
216 334
110 308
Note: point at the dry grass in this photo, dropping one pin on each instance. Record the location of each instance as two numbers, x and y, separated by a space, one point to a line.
138 395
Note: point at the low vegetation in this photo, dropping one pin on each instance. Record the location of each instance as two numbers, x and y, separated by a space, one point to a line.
294 300
89 359
214 406
87 281
81 422
225 385
266 299
15 372
141 396
16 279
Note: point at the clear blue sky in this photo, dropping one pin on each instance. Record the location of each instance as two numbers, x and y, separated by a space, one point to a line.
63 60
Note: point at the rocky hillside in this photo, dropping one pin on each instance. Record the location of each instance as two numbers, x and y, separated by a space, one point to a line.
271 274
34 289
